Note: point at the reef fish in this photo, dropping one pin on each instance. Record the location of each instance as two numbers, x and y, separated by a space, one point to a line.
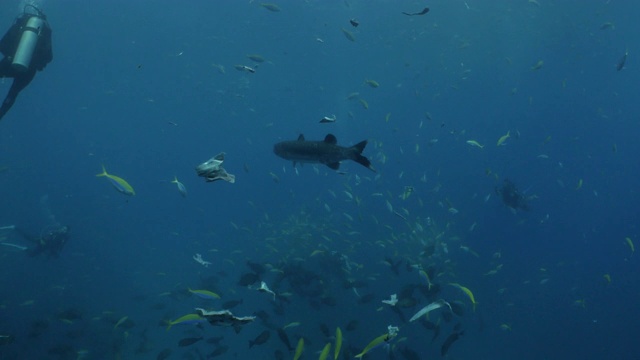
118 183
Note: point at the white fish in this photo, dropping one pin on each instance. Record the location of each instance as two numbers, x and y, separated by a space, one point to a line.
433 306
181 188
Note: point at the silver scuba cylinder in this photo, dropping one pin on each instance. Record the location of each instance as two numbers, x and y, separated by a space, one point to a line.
27 45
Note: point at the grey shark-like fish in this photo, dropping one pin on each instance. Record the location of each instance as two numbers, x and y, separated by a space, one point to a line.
326 152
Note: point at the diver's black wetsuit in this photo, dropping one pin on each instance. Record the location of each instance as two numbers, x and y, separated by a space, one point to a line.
49 244
42 55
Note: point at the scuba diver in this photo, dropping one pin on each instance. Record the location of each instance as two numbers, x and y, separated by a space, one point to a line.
511 197
50 243
26 48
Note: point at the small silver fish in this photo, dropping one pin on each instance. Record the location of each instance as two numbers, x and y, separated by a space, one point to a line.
181 188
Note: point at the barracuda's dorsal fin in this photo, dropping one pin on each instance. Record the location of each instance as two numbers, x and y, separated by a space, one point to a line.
330 139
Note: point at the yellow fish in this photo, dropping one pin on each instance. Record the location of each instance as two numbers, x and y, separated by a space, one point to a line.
607 277
375 342
537 66
504 138
325 352
119 183
336 349
292 324
630 243
186 319
579 184
426 276
372 83
467 292
475 143
257 58
205 294
299 349
121 321
270 7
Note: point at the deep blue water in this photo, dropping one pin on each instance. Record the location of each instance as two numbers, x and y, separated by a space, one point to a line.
139 87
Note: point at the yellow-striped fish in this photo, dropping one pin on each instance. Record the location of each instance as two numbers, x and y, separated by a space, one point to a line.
336 349
291 324
475 143
630 243
375 342
121 321
181 188
504 138
299 349
205 294
325 352
467 292
118 183
186 320
372 83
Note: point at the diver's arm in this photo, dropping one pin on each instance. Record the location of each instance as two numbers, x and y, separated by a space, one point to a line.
19 83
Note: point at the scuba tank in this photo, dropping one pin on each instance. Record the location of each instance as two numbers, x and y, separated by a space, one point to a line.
28 42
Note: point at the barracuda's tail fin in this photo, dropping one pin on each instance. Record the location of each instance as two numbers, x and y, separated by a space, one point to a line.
357 155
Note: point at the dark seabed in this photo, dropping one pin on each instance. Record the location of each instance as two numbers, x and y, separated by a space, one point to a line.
504 135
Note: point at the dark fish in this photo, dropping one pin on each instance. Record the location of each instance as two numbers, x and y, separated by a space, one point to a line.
164 354
329 300
409 354
427 324
6 339
450 340
63 351
399 313
219 351
395 268
231 304
424 11
285 339
407 302
436 332
248 279
352 325
189 341
262 315
358 284
260 339
215 340
622 60
354 22
278 355
325 330
326 152
256 267
428 250
447 316
366 298
70 314
457 307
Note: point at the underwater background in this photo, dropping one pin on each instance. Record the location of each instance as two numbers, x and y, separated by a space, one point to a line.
150 89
